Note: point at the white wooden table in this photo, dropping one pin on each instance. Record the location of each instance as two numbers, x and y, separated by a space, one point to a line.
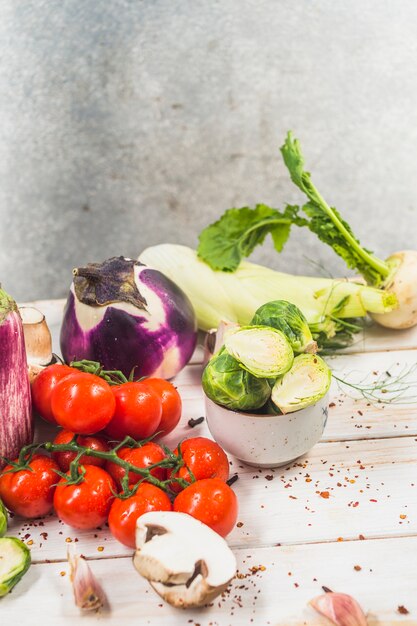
344 516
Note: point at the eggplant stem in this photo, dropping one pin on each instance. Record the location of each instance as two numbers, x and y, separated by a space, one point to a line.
90 273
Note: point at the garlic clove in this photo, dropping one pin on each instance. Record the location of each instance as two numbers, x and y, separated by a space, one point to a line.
88 594
340 608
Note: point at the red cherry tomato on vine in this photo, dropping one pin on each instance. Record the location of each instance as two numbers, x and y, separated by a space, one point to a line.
87 504
171 403
43 385
64 458
204 458
30 492
124 513
212 502
137 413
83 403
148 454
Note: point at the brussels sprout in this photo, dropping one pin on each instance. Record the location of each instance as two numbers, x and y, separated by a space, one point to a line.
264 351
3 519
227 383
14 562
307 381
287 318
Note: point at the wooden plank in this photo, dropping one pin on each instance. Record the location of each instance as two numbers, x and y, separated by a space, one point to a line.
339 491
277 595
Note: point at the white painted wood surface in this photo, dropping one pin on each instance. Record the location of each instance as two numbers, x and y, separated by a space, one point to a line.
351 501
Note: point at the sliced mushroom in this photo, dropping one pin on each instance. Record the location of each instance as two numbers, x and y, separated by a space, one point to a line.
186 562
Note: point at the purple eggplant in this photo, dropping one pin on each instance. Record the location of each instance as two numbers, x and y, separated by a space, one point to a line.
126 315
16 424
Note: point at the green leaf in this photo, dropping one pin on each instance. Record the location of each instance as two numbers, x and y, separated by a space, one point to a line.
235 235
326 222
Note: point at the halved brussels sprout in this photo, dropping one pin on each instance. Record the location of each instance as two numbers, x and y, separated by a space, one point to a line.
3 519
225 382
307 381
264 351
287 318
14 562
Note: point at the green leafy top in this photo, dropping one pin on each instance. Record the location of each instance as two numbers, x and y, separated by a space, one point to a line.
326 222
235 235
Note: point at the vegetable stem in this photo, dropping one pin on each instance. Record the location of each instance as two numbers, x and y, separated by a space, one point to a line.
171 462
380 266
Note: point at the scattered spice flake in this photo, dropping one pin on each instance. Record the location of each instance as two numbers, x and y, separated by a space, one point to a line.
269 477
68 540
324 494
402 610
331 405
308 480
373 500
357 568
239 524
233 479
100 548
62 573
361 537
402 516
195 421
340 539
30 542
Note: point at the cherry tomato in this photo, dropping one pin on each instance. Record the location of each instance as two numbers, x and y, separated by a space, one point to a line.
43 385
138 411
83 403
87 504
171 403
30 493
64 458
146 455
204 458
124 513
212 502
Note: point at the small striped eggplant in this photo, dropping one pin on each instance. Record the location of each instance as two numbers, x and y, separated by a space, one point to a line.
16 425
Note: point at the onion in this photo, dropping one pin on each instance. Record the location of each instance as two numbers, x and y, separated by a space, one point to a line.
16 425
126 315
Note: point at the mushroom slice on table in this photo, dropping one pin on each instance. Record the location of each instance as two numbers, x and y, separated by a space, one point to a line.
186 562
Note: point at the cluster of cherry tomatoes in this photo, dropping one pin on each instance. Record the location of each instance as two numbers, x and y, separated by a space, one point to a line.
85 405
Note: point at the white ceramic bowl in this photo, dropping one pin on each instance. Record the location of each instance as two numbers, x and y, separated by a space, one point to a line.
267 440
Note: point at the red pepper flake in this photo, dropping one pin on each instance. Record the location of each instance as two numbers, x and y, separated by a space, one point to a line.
324 494
402 610
293 497
357 568
373 500
296 585
331 405
355 504
361 537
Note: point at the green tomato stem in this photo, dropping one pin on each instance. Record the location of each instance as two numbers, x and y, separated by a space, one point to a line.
77 471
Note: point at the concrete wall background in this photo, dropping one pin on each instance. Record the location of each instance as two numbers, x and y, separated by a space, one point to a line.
126 122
